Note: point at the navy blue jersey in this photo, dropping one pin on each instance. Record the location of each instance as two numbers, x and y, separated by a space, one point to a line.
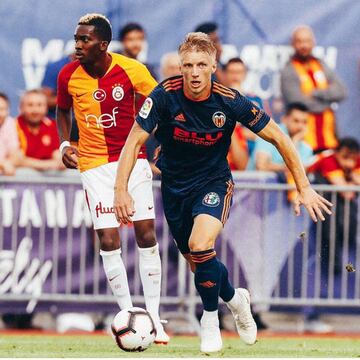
195 135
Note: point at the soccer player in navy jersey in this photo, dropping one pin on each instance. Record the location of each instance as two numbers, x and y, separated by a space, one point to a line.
194 118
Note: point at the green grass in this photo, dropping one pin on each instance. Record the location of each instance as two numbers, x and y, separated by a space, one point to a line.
100 346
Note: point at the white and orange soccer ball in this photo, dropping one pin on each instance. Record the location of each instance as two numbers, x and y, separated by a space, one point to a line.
133 329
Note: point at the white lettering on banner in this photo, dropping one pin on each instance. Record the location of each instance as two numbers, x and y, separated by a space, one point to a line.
105 121
55 208
29 210
19 274
35 58
81 212
265 63
7 196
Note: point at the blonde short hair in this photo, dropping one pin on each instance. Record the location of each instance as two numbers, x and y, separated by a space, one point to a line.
197 41
100 22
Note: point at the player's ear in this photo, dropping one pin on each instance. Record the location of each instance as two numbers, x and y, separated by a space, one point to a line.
214 67
104 45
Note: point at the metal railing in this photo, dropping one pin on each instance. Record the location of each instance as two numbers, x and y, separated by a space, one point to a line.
49 252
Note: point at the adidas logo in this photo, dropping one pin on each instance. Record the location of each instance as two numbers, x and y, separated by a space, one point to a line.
180 117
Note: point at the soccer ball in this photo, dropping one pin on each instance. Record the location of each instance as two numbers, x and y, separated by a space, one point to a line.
133 329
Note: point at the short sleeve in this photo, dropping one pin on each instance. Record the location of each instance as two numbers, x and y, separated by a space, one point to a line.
64 99
248 114
144 83
152 110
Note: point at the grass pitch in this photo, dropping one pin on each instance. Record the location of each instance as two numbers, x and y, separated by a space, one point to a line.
102 346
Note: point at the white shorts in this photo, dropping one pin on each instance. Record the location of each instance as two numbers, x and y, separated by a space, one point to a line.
98 184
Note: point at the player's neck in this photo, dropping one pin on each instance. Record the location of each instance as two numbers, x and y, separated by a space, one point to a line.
99 68
33 127
203 95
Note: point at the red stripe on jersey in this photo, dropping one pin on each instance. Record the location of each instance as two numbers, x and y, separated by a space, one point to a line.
172 81
319 130
64 99
173 88
117 112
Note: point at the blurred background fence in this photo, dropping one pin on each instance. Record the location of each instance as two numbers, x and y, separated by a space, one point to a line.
49 255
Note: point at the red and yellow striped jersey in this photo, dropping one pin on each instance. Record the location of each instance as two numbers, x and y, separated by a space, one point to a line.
330 168
104 108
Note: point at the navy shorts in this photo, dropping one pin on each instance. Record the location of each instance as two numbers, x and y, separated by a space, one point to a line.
214 199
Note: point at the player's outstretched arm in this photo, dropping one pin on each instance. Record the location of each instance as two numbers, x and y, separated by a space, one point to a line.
312 201
123 203
69 154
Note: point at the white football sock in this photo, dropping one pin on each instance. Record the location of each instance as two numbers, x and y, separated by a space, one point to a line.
234 303
116 274
212 316
150 273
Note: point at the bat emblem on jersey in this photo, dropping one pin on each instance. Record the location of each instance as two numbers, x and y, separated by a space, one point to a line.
99 95
219 119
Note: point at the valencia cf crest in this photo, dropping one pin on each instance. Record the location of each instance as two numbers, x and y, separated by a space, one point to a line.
219 119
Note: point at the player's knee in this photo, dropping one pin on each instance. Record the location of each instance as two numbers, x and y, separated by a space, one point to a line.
109 239
146 238
200 244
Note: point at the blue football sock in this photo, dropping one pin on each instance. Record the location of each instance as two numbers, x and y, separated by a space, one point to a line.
227 291
207 277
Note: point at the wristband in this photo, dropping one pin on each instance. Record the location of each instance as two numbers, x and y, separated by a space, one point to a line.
63 145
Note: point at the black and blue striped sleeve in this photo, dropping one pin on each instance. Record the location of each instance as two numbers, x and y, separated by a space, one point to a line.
249 114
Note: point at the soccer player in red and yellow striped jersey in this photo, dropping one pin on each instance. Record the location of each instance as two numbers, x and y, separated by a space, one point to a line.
100 87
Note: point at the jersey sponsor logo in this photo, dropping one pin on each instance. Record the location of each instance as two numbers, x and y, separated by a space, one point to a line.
211 199
219 119
258 114
104 121
146 108
99 95
180 117
117 92
196 138
100 210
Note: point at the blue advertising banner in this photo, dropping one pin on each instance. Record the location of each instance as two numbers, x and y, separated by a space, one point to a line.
49 254
34 33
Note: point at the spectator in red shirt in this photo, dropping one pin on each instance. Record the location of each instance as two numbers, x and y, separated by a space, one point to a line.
338 243
341 167
38 135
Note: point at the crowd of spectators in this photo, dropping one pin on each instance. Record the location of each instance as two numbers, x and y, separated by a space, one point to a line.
310 90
